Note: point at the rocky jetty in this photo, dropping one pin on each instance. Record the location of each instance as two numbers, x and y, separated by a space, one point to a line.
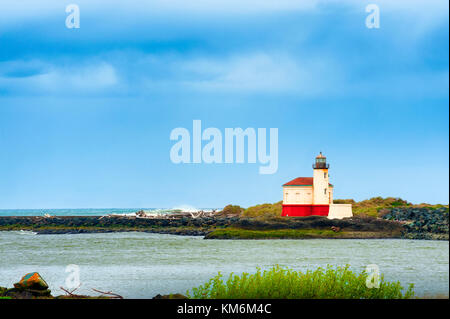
187 226
398 222
421 222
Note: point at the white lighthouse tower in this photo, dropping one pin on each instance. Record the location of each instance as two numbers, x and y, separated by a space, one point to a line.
321 184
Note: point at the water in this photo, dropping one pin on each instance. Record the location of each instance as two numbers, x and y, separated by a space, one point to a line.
94 211
142 265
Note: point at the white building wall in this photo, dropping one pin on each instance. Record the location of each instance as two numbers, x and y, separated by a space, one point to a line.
321 189
300 195
339 211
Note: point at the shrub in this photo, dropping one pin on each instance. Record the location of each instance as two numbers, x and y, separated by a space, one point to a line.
344 201
372 206
233 210
285 283
264 210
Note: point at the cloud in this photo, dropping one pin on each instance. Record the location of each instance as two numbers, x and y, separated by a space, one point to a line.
139 74
265 73
311 48
21 68
133 10
260 72
40 78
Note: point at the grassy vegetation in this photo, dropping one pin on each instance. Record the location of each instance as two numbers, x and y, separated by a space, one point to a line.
238 233
369 207
379 205
285 283
231 210
264 210
372 206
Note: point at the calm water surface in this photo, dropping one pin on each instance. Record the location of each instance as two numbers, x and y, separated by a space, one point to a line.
141 265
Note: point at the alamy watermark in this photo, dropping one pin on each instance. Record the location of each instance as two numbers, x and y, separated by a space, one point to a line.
189 147
373 19
373 276
73 19
73 278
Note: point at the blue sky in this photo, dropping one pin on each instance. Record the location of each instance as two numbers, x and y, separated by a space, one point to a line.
86 114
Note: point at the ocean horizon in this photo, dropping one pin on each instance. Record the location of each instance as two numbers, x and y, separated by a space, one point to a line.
94 211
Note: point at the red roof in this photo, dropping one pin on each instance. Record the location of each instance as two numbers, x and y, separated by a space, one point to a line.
301 181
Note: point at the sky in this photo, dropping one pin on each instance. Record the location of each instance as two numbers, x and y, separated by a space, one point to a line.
86 113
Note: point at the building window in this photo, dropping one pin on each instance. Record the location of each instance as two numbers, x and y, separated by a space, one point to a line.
325 191
324 174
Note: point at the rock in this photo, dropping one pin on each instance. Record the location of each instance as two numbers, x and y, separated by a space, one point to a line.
422 222
335 229
32 281
39 293
18 293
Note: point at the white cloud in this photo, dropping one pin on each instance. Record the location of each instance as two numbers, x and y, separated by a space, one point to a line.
64 80
261 72
134 74
126 73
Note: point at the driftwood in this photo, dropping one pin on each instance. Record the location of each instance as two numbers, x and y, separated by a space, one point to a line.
199 214
103 293
71 292
176 215
203 214
109 293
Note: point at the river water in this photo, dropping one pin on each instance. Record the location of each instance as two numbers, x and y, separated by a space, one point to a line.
142 265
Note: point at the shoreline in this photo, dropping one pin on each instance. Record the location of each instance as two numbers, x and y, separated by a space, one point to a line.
224 228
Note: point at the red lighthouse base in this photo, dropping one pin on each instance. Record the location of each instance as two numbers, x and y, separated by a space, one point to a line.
305 210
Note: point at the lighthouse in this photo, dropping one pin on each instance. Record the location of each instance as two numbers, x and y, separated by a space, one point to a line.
321 187
307 196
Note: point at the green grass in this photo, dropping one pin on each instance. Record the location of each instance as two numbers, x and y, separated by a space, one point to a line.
285 283
238 233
